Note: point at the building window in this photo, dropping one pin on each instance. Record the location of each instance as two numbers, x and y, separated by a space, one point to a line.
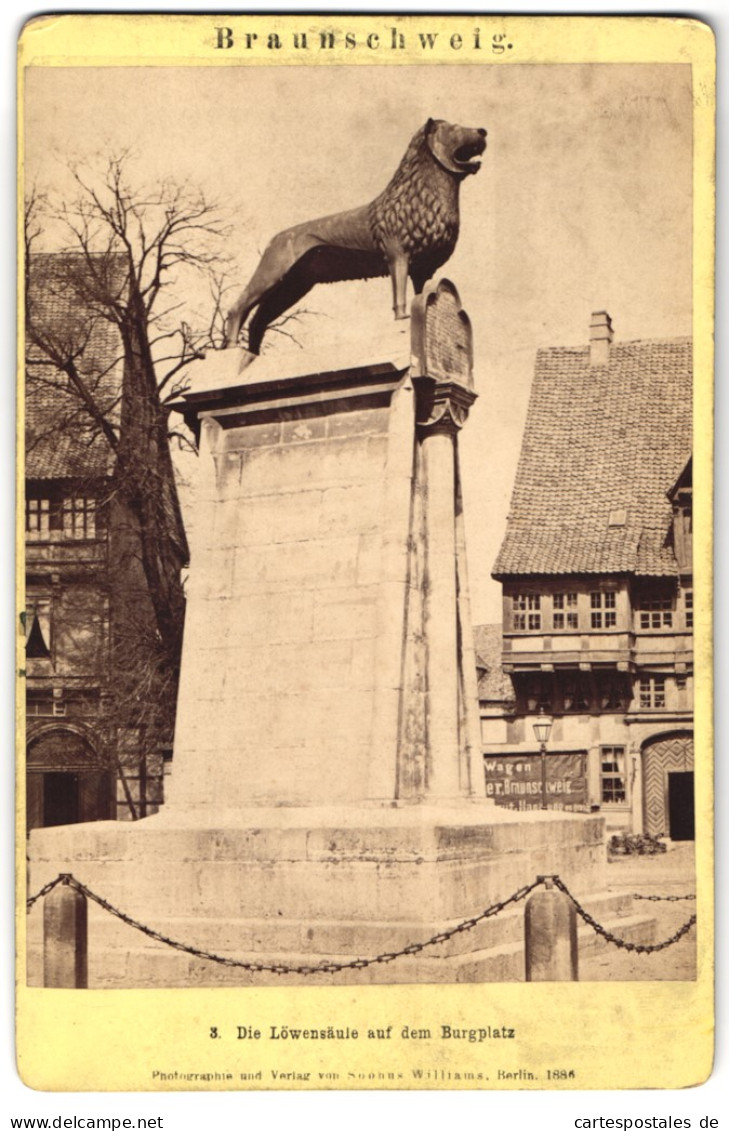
527 616
39 708
613 695
79 517
612 775
36 647
688 607
653 692
37 519
576 692
538 694
603 610
38 628
564 616
655 612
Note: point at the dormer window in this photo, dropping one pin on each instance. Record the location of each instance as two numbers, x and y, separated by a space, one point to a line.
681 496
683 529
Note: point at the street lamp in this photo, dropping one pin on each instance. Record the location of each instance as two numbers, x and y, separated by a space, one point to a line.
542 728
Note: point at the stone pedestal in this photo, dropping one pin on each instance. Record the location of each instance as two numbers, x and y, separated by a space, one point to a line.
327 655
327 796
300 886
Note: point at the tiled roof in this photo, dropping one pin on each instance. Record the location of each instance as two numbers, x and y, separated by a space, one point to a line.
493 684
600 440
62 439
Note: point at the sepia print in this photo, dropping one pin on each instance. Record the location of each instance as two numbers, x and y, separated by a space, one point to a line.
361 368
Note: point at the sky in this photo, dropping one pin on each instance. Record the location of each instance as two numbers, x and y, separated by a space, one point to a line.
583 203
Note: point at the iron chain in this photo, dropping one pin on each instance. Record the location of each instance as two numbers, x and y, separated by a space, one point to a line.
43 891
280 968
388 956
664 898
623 944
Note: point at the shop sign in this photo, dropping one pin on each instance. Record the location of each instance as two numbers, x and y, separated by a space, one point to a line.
514 781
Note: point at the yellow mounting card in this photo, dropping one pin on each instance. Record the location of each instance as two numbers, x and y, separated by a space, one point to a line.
364 622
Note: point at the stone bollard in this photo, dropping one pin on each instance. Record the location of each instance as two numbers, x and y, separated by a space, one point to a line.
65 935
550 936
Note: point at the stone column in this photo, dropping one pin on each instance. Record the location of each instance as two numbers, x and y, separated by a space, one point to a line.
443 777
443 408
444 391
469 714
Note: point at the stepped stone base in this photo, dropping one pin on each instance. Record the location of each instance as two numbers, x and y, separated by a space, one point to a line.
306 886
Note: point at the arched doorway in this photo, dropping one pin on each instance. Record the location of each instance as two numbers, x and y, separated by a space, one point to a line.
668 786
65 781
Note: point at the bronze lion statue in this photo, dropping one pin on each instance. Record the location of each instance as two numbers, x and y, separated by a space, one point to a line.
411 229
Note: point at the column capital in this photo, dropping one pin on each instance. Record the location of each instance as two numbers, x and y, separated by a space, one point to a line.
442 359
441 406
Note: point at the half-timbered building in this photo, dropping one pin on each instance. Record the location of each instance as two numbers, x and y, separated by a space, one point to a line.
596 571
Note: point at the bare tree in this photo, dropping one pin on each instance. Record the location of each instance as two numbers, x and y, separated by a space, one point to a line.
109 337
126 251
106 341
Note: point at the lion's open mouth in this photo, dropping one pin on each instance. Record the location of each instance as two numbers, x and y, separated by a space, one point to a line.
465 154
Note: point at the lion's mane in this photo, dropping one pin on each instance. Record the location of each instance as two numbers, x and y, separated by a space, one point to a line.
419 207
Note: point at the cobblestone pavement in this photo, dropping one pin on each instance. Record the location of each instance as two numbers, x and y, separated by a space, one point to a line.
671 873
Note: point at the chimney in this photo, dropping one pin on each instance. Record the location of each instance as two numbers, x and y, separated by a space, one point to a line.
601 335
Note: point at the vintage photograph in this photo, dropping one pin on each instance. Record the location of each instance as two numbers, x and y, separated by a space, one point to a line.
358 584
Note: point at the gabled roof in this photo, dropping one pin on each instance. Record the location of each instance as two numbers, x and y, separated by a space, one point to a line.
62 439
600 440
